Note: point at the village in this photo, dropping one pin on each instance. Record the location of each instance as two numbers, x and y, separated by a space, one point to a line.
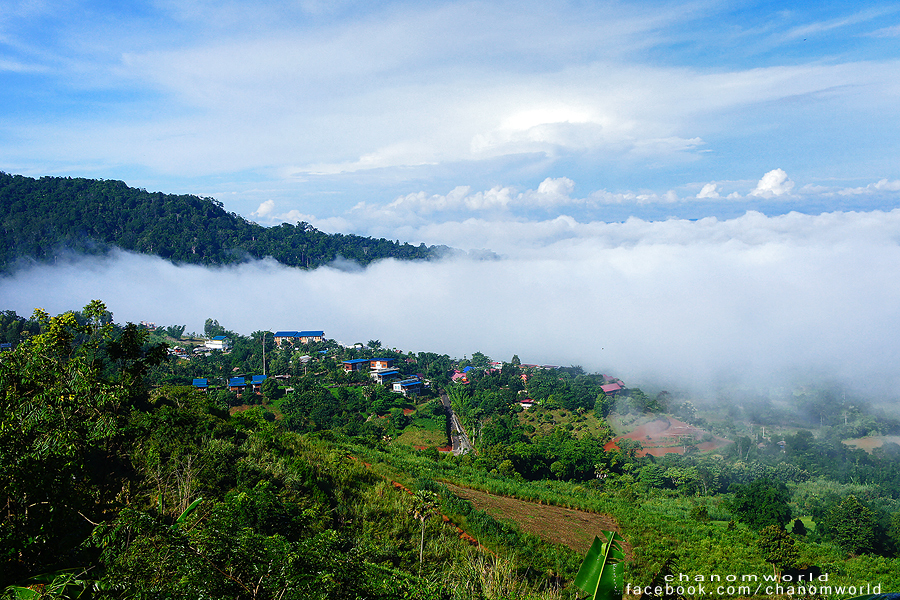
383 371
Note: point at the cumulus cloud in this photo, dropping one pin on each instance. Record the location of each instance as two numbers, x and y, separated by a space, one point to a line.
773 183
709 190
465 218
677 303
890 186
265 208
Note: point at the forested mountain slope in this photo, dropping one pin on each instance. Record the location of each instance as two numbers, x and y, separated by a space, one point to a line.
42 217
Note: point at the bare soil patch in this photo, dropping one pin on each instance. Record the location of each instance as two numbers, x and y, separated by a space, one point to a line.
668 435
573 528
871 442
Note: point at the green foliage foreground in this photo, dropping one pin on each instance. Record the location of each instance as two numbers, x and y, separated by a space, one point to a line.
111 490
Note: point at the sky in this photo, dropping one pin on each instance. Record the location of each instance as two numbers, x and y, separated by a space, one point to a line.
673 190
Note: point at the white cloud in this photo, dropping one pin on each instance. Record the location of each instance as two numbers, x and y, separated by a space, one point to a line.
773 183
265 208
457 200
890 186
710 190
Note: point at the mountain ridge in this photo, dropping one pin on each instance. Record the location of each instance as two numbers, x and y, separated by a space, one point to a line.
46 216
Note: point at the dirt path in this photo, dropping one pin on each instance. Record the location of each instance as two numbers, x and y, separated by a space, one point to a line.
573 528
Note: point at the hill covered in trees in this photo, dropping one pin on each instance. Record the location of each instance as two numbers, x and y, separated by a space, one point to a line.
46 216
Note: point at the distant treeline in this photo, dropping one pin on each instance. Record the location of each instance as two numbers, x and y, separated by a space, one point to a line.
43 217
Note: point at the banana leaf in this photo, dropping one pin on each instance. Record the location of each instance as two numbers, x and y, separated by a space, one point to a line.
602 574
187 512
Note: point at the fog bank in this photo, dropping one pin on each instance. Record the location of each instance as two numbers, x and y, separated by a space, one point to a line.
677 303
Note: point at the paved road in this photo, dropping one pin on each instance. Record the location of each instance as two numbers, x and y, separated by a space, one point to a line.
458 437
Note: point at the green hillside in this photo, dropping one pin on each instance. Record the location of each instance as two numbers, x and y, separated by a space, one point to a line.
121 479
39 218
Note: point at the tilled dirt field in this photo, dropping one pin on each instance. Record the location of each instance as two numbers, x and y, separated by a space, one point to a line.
574 528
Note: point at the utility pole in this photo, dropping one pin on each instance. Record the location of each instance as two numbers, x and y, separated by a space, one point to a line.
264 351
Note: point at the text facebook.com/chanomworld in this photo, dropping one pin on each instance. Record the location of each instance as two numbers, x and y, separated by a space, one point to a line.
749 584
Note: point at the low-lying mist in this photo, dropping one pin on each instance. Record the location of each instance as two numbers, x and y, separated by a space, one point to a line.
673 304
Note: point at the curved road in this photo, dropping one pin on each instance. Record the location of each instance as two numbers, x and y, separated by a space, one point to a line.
458 437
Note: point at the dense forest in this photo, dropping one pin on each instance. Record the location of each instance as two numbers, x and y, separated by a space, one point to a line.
122 477
41 218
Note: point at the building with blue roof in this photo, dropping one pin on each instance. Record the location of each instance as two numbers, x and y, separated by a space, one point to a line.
299 337
386 375
382 363
357 364
408 387
220 342
201 383
256 382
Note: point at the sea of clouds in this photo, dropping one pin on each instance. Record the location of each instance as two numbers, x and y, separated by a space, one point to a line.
673 304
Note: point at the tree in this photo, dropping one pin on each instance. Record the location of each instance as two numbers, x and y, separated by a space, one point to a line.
175 331
66 398
778 548
271 391
426 504
760 504
480 361
894 532
212 328
852 525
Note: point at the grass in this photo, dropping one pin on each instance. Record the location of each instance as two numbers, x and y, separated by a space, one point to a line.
545 421
421 437
658 527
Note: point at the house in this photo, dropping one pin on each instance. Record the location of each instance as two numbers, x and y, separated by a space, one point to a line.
201 384
220 342
611 389
459 376
256 383
355 365
236 384
299 337
526 403
408 387
377 364
6 347
384 375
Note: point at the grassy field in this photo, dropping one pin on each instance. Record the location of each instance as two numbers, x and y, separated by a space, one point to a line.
545 421
425 429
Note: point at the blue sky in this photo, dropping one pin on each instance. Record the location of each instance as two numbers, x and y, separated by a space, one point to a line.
678 193
352 115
